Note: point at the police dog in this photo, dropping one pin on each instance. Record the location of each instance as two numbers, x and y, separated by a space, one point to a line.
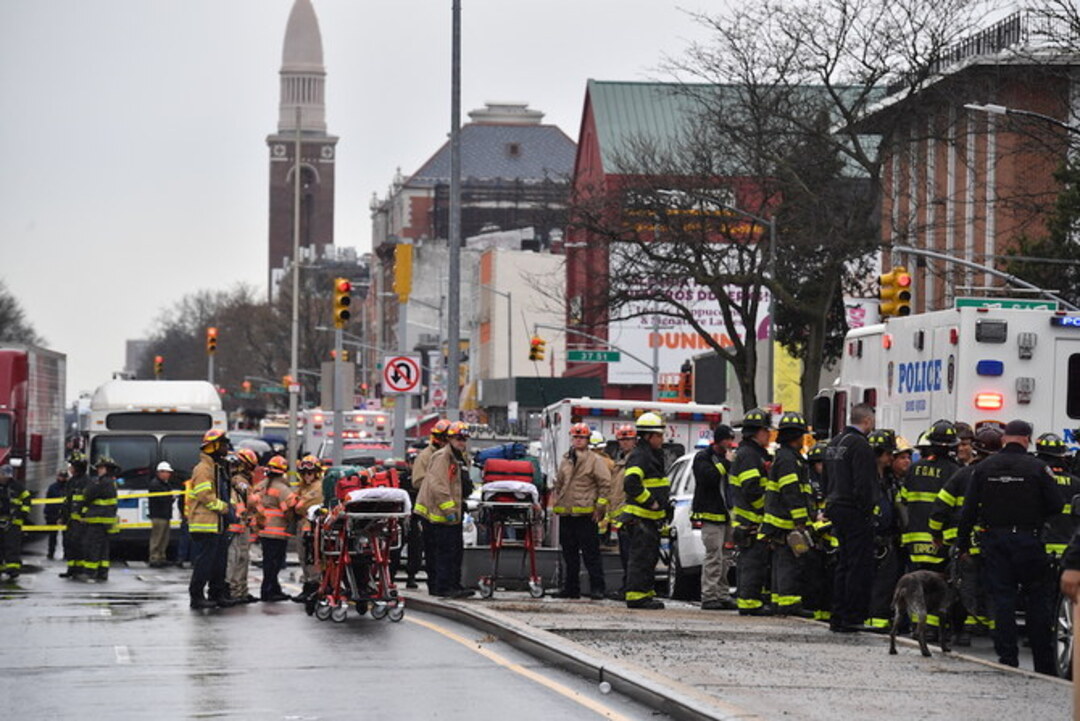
920 593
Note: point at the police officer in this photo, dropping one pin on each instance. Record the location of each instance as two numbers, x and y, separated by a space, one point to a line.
1011 496
789 503
647 491
709 510
920 489
14 510
71 516
1060 528
852 482
749 471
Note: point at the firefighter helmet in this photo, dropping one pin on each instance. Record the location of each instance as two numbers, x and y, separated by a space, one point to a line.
625 432
1051 444
942 433
882 439
816 453
107 462
308 463
756 419
458 429
580 430
212 439
987 440
792 420
440 428
247 457
596 440
650 423
902 446
277 465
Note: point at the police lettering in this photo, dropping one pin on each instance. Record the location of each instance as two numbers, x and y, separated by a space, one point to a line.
919 377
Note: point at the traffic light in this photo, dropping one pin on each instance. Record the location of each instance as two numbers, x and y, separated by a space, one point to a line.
159 366
344 355
895 292
286 381
246 385
342 301
211 340
536 348
403 257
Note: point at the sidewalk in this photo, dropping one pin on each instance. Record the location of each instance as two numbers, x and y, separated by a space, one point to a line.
776 667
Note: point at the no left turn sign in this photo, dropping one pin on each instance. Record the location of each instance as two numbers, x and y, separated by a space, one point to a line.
401 374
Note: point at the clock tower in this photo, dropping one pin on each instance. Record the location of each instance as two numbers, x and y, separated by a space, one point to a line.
303 82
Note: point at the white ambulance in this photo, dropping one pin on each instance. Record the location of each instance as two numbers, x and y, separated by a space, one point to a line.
974 364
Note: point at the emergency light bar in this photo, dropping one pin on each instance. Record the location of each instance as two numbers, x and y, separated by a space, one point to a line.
989 401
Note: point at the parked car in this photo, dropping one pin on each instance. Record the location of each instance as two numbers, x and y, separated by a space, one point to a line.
685 552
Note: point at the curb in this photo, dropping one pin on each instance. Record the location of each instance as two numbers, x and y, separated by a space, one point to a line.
676 699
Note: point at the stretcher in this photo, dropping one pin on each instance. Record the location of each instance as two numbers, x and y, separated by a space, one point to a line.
510 501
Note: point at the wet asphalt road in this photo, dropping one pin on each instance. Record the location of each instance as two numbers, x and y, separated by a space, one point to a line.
132 649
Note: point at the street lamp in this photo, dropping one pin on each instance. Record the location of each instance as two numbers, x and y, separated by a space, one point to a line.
509 328
992 109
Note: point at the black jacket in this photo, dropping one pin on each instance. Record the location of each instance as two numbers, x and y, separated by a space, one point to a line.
710 480
851 477
1009 489
54 511
160 506
749 472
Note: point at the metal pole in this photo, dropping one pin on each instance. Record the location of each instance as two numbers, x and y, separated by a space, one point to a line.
398 446
210 367
509 338
453 396
294 362
339 415
771 387
656 359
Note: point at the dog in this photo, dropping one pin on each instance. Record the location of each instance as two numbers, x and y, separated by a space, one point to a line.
920 593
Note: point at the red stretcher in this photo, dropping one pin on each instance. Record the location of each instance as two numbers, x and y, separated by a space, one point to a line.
509 500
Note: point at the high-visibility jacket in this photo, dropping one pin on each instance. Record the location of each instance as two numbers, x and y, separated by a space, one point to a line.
746 479
710 487
239 492
422 462
645 482
440 500
1060 527
273 500
918 493
206 507
582 483
74 500
99 501
305 497
14 503
945 513
789 498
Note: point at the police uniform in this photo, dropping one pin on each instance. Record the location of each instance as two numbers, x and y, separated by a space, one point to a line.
1011 496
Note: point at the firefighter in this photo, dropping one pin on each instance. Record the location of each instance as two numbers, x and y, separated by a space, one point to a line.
419 471
709 511
965 437
14 510
307 495
580 499
57 492
749 473
920 489
240 528
789 507
1011 496
626 437
208 518
441 504
272 499
1060 528
99 514
887 563
819 560
71 516
647 489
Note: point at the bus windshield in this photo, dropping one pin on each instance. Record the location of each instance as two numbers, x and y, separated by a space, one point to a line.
136 456
182 453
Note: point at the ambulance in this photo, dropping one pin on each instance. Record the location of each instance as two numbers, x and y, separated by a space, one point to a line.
982 364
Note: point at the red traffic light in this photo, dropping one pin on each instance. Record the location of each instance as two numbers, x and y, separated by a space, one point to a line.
343 286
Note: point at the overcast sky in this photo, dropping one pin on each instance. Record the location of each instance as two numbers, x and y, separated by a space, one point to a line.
134 163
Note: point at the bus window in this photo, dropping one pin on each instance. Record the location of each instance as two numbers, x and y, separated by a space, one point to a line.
136 456
182 453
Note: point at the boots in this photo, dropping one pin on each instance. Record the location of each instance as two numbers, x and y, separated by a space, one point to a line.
310 587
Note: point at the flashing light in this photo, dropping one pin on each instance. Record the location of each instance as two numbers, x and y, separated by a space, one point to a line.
989 401
990 368
886 341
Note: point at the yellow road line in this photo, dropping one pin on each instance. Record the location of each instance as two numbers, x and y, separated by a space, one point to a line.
555 686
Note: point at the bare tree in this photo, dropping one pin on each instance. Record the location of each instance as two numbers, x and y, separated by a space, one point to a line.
14 326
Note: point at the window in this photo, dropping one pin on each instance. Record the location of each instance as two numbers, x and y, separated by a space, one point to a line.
5 431
158 422
182 453
513 150
1072 403
136 456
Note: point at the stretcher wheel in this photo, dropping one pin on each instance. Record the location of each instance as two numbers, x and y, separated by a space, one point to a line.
322 610
536 589
340 613
379 611
487 587
397 613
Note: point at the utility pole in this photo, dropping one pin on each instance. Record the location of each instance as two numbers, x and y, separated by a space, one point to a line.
453 315
294 357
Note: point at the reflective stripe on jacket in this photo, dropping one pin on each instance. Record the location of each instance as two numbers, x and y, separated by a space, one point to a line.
789 499
99 501
206 511
645 483
273 500
747 478
582 483
439 500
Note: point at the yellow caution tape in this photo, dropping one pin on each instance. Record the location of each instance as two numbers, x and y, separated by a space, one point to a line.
121 496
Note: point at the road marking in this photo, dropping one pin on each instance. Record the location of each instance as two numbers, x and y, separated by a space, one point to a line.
555 686
123 655
104 611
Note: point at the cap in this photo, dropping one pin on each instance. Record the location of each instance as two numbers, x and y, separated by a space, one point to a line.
164 466
1018 428
723 433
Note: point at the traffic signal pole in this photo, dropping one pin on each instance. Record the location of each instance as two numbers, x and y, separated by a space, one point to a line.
398 445
294 362
339 415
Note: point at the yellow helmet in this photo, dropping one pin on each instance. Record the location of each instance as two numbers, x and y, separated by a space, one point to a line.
212 439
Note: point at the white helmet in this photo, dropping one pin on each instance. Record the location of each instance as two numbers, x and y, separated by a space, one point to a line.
164 466
596 439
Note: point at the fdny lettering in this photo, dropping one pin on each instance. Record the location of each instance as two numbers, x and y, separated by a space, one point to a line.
932 471
919 377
